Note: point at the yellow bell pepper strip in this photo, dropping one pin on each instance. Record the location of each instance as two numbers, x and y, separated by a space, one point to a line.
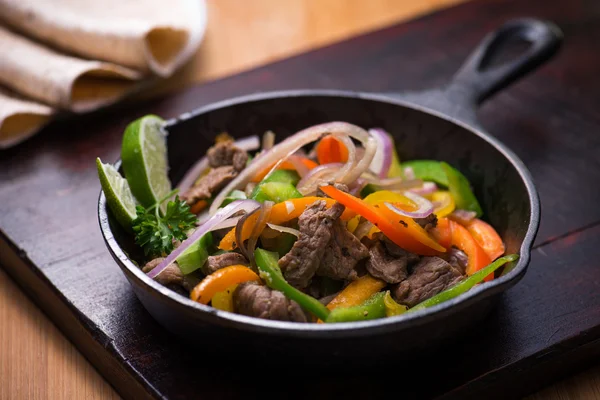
486 237
460 188
462 239
221 280
466 284
280 213
353 224
267 263
405 232
373 308
446 201
391 307
427 170
397 199
357 292
224 300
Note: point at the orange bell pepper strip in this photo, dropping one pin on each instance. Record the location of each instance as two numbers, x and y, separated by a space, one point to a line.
357 292
486 237
310 164
280 213
331 150
220 280
403 231
478 258
198 206
442 233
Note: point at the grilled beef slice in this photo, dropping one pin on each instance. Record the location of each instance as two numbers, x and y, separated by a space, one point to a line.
256 300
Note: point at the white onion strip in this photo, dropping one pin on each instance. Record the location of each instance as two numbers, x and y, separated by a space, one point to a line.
284 229
427 188
425 208
385 149
293 142
214 221
248 144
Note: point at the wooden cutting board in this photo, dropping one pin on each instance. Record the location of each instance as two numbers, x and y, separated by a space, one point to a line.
545 327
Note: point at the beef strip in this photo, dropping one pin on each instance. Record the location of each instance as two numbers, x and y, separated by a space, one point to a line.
217 262
429 277
428 222
214 263
342 254
315 223
256 300
385 266
212 182
171 276
226 153
458 259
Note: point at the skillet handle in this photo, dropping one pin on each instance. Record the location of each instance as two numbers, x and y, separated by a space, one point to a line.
474 82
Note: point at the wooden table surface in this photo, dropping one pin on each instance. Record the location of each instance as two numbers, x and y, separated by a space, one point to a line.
36 361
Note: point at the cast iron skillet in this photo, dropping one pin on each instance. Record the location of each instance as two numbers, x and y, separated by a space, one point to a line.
438 124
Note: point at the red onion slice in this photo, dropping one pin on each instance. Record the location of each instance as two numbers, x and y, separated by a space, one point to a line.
214 221
463 217
427 188
425 208
409 173
310 182
382 161
285 229
249 143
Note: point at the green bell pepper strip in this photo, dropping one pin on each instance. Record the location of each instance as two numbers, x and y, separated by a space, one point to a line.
372 308
196 255
283 176
268 267
275 192
234 195
460 189
428 170
464 285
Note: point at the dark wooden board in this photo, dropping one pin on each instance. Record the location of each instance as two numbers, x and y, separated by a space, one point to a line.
545 327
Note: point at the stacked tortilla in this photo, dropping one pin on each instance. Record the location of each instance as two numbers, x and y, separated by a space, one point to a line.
79 55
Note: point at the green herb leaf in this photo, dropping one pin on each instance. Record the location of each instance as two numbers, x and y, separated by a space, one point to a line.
155 233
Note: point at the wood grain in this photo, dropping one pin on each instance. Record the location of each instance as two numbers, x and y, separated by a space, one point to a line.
35 360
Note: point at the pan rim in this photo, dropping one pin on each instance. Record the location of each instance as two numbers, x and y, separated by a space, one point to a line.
357 328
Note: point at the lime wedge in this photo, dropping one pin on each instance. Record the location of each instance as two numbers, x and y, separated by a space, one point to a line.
119 198
144 157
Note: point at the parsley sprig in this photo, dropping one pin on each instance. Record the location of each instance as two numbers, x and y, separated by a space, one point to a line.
156 230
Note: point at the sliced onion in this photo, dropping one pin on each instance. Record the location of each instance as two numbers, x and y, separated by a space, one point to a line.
382 161
257 229
192 174
461 216
393 183
294 143
409 173
309 183
362 229
268 140
285 229
427 188
358 186
424 206
248 144
300 167
228 223
224 213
